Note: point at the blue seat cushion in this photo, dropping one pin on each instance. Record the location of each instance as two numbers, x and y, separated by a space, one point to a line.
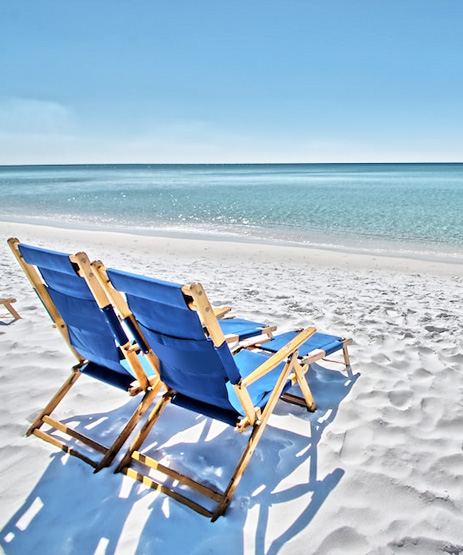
241 327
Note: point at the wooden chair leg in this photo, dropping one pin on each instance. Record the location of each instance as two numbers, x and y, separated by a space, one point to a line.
112 451
56 399
346 356
7 304
256 434
145 430
300 372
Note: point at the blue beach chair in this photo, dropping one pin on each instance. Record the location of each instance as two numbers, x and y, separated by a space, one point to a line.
201 374
95 336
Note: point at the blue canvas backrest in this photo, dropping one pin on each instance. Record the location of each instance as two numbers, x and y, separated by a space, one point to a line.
88 329
190 363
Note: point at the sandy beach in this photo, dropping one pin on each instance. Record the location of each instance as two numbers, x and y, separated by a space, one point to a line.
375 470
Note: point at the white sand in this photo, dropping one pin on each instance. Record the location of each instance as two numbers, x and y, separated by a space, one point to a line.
377 469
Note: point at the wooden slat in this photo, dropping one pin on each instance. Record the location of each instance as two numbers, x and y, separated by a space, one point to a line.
76 435
192 484
163 489
294 400
64 447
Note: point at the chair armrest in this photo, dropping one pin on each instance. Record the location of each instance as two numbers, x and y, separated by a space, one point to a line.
279 356
220 311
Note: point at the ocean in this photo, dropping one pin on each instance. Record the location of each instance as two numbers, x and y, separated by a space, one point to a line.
395 209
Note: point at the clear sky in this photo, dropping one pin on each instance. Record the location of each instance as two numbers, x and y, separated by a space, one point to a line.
215 81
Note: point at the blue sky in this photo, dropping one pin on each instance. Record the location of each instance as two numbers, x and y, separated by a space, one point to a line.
209 81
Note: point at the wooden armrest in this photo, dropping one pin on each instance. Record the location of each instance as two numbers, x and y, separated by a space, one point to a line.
220 311
279 357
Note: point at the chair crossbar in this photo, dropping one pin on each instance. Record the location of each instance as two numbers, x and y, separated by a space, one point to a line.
74 434
192 484
70 450
147 481
295 400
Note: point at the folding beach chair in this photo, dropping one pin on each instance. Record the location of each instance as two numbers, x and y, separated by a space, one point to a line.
7 304
95 336
179 325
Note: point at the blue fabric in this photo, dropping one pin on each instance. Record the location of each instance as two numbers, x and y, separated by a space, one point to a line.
133 330
116 379
328 343
115 325
88 328
212 411
158 305
241 327
192 368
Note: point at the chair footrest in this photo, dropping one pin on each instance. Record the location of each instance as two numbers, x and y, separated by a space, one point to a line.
76 435
147 481
294 400
192 484
57 443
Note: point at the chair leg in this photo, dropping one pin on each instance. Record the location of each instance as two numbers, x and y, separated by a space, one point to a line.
7 304
145 430
112 451
256 434
300 372
56 399
346 356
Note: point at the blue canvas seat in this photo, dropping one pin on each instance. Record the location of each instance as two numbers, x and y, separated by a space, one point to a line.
95 336
178 325
317 347
240 329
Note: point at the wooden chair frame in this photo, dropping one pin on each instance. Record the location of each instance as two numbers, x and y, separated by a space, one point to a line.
254 418
7 304
150 388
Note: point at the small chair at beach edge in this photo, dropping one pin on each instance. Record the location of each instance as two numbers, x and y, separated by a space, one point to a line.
7 302
178 324
92 331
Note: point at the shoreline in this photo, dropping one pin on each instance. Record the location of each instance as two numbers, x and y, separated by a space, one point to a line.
220 248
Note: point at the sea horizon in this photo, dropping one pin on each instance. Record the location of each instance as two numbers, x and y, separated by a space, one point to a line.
408 209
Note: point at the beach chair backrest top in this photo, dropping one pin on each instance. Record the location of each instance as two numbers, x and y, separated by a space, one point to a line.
190 363
87 326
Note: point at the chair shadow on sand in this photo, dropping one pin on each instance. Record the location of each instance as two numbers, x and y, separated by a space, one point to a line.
279 449
70 510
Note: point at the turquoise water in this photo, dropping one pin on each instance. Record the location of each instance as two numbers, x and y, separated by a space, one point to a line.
392 208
